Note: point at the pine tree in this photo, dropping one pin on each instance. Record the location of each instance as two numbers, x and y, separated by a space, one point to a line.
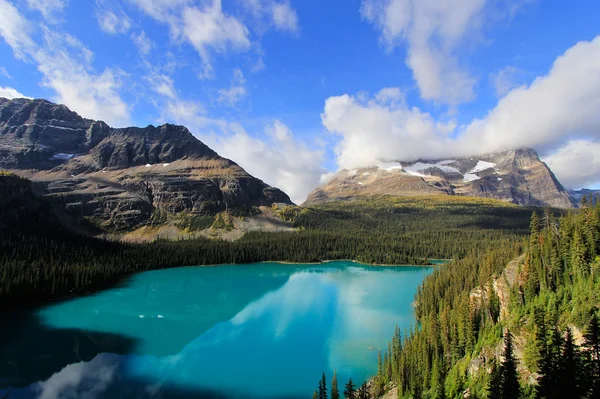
508 371
363 392
315 395
569 383
494 304
323 387
591 343
495 385
335 393
350 390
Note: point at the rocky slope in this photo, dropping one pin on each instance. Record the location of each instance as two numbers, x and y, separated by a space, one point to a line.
118 178
517 176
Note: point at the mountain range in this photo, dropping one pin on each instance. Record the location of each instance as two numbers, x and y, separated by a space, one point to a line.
516 176
119 179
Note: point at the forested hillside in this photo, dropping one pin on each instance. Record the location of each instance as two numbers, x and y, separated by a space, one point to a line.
545 305
40 260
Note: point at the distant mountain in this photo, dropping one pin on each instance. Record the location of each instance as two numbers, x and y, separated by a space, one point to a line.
119 178
584 192
517 176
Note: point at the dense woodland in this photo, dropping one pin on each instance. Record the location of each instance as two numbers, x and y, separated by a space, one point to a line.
543 343
39 260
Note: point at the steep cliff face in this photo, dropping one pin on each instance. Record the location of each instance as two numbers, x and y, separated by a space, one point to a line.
119 177
517 176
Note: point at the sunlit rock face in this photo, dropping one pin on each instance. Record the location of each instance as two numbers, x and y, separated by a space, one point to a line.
517 176
119 177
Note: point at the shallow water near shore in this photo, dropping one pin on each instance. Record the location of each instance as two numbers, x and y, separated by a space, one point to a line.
247 331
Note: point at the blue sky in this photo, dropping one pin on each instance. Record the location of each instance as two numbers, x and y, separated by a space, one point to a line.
294 90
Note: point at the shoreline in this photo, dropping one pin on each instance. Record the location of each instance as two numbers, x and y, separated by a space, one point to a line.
50 301
324 262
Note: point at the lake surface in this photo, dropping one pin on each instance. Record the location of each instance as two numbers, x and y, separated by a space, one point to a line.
245 331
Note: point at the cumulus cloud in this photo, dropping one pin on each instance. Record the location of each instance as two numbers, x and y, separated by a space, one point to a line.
433 31
112 20
48 8
15 29
577 163
66 67
206 27
280 159
504 80
236 91
209 28
10 93
271 13
274 155
284 17
548 115
143 43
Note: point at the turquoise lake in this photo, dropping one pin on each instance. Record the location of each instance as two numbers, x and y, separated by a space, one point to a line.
247 331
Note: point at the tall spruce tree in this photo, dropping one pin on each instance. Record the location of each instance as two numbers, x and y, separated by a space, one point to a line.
591 344
511 388
335 393
363 392
350 390
323 387
494 390
570 383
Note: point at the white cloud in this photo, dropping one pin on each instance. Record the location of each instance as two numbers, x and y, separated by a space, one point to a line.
209 29
66 66
548 115
284 17
504 80
4 72
163 84
48 8
15 29
236 91
161 10
112 20
143 42
377 129
10 93
433 31
271 13
281 160
577 163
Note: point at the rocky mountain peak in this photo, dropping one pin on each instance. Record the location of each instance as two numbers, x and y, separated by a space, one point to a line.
119 177
516 176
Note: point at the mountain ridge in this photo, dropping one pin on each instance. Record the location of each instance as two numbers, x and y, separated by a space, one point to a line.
516 176
119 177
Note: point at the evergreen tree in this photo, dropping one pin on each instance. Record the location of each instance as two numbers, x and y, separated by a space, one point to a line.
315 395
494 390
569 383
350 390
494 304
363 392
335 393
511 388
591 343
323 387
